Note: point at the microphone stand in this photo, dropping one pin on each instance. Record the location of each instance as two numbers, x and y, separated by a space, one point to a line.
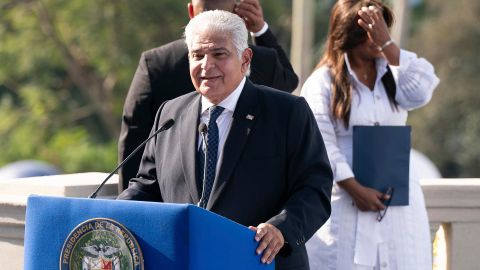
166 125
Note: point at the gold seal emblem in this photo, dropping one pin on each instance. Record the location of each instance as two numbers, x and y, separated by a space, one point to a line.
101 244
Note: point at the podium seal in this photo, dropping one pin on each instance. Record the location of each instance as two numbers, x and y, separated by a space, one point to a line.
101 244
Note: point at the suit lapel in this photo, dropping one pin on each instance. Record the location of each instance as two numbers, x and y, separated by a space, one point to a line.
244 117
188 145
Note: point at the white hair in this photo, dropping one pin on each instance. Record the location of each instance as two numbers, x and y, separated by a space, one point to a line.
219 21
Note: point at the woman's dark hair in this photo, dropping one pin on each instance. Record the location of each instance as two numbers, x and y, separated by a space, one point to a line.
345 34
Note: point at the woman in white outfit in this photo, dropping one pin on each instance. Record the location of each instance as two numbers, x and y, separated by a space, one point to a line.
364 78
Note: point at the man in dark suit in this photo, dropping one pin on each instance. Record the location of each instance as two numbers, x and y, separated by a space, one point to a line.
162 74
262 164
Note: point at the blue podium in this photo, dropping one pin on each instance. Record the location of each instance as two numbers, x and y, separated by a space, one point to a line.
87 234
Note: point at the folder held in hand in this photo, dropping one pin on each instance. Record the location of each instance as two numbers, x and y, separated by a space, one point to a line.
381 158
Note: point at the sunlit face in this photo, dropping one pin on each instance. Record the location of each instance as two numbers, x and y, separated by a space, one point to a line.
215 68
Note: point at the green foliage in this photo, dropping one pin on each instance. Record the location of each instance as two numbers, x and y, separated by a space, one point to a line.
278 14
65 70
29 133
447 130
66 67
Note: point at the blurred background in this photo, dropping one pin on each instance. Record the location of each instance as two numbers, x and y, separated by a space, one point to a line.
66 66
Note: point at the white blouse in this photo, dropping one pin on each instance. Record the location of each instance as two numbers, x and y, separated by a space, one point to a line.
415 80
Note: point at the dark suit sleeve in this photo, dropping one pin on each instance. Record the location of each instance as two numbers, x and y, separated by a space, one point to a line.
284 77
137 121
145 186
309 177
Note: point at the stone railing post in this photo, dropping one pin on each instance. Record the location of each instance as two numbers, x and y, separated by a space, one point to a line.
455 203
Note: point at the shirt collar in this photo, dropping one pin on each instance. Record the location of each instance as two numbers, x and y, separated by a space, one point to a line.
229 103
381 65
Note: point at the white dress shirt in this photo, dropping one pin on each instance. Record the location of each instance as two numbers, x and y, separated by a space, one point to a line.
224 121
352 239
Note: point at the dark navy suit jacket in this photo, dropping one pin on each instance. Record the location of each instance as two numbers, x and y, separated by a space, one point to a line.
275 167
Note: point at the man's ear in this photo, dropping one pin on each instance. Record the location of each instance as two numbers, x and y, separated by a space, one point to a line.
191 14
246 59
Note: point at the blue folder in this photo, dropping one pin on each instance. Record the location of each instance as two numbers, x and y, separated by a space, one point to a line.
381 158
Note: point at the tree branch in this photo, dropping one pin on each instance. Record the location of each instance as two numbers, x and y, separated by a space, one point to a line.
90 84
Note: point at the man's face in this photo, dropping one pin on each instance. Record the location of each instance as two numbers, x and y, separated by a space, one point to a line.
215 68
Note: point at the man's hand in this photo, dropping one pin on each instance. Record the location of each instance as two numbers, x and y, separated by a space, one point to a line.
271 241
251 12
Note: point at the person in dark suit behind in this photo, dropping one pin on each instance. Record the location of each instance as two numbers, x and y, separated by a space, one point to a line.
264 164
162 74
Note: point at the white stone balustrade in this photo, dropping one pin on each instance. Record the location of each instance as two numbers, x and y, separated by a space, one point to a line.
13 200
455 204
452 203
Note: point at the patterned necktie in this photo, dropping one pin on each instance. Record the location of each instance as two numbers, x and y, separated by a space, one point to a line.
211 156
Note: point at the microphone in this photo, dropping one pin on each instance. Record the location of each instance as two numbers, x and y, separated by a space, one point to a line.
202 128
166 125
